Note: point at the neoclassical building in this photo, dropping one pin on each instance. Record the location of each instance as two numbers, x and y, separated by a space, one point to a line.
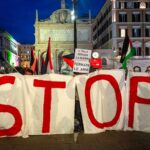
60 28
25 55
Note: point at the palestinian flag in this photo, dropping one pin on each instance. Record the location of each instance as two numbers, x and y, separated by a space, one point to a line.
128 51
69 59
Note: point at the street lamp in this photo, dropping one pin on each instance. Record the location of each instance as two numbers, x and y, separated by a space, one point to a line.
143 7
74 2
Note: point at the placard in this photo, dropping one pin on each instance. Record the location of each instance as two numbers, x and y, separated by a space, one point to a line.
81 61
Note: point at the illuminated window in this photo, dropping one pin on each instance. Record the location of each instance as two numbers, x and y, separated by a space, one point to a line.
121 5
122 32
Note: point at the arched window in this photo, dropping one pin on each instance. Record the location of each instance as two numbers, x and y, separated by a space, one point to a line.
137 69
147 69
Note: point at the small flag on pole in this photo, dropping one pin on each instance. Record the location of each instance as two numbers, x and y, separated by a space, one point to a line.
128 51
42 65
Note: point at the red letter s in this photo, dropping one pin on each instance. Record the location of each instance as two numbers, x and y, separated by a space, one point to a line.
10 109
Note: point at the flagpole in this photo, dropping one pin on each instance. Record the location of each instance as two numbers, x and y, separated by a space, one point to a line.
74 2
143 7
39 63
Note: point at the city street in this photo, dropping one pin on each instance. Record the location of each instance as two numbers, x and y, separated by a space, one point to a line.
78 66
113 140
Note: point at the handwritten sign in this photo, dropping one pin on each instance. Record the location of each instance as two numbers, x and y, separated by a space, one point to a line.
82 57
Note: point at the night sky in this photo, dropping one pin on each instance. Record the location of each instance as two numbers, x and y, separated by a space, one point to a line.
18 16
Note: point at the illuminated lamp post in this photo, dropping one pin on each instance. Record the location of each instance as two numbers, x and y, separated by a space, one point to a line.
143 7
74 2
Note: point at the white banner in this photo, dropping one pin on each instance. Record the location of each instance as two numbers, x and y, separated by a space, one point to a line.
12 108
41 104
102 102
38 105
138 102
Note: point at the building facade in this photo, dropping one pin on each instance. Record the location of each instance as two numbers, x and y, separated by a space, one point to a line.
60 28
25 55
118 17
9 48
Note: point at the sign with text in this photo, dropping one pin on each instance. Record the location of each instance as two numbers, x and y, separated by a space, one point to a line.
82 57
81 66
82 54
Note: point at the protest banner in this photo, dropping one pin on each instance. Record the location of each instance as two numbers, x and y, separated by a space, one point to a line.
34 105
44 104
138 102
102 99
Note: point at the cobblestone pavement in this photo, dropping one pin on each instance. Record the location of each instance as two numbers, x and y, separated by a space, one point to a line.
110 140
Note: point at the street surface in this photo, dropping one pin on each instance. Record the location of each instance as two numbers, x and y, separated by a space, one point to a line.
110 140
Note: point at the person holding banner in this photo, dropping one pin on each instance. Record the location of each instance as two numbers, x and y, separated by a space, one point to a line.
28 71
78 124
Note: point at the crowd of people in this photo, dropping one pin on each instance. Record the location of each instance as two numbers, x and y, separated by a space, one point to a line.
5 68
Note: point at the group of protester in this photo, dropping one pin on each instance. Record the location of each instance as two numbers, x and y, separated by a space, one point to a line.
21 70
24 71
6 68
